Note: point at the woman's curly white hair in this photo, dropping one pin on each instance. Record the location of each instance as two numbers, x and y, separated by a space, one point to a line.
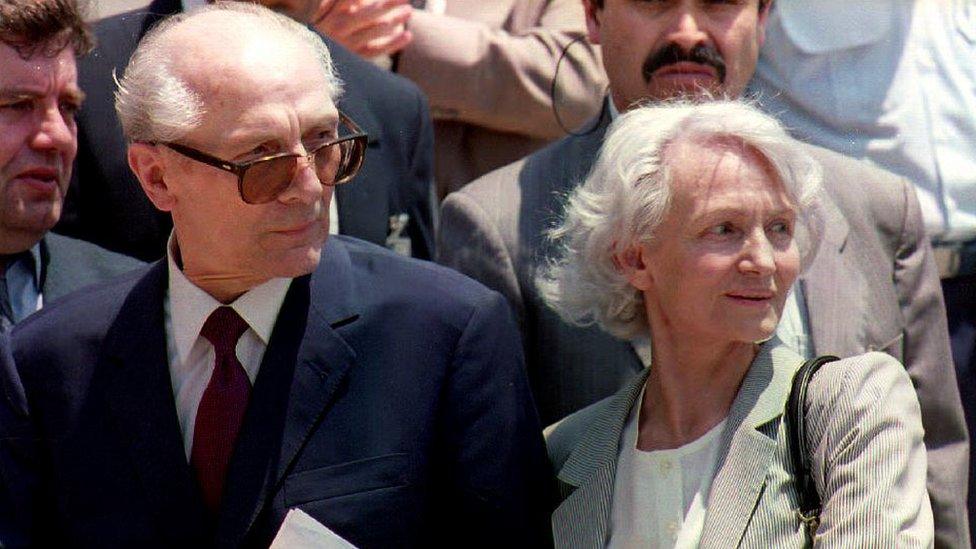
628 193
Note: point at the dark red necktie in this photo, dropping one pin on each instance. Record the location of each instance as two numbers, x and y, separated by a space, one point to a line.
221 410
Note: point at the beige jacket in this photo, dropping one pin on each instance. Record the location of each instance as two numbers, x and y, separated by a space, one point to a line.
867 459
487 68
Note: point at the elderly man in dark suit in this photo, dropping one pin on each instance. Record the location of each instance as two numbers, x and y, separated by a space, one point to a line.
39 95
263 365
873 285
391 204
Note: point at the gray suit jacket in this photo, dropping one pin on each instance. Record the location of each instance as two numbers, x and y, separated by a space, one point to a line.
71 264
873 286
868 460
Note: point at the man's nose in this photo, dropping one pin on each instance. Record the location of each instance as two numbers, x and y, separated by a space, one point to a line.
54 130
685 28
305 184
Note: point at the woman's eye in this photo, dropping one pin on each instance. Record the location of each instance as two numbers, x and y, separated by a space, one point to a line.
781 227
720 230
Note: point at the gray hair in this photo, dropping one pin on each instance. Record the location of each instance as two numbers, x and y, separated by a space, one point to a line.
154 104
628 194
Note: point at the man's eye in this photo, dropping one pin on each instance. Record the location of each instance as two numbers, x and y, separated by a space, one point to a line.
70 108
321 137
21 105
261 150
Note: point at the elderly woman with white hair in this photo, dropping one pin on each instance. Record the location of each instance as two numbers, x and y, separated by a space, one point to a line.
686 239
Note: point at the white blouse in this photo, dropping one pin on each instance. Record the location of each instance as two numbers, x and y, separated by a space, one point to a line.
660 497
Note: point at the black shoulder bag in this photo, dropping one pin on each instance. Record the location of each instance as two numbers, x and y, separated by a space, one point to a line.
796 431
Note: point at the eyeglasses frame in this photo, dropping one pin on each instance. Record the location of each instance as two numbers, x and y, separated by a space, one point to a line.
240 168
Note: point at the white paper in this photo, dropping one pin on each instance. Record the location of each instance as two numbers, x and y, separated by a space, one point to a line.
300 531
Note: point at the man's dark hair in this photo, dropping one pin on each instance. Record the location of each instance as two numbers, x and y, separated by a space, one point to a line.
43 26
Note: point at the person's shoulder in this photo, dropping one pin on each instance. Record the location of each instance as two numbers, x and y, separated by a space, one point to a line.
129 26
83 316
65 249
853 182
536 173
75 264
365 80
564 436
860 381
381 273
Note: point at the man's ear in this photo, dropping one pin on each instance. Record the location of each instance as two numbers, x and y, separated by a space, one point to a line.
630 262
593 14
146 162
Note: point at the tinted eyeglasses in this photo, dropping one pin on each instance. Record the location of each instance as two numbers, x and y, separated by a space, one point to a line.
261 180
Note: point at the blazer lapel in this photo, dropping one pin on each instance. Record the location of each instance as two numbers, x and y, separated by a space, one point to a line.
133 376
832 291
303 366
582 519
748 445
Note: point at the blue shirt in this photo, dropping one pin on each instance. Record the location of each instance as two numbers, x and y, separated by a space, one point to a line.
23 277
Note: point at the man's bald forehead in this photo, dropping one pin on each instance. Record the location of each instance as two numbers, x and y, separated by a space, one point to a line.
219 40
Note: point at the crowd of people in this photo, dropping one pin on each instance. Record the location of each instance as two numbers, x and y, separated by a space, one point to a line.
571 273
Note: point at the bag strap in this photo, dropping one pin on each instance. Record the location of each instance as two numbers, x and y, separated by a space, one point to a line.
796 432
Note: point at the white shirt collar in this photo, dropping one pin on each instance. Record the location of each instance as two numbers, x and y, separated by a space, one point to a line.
614 113
190 4
190 306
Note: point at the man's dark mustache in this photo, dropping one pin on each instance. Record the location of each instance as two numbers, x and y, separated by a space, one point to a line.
673 53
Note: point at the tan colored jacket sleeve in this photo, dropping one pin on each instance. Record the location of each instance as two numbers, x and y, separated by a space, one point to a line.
500 78
869 457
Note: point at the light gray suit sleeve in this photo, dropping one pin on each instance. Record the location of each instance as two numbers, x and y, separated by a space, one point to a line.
869 459
469 241
928 358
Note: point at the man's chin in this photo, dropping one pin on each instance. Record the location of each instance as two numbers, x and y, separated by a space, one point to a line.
298 262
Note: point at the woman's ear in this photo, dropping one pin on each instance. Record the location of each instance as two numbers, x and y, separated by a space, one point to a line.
630 262
147 163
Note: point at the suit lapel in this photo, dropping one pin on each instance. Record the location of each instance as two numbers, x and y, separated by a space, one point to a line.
567 167
582 519
748 445
133 376
307 360
833 292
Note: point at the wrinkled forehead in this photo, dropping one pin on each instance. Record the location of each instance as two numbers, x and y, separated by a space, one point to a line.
719 163
40 72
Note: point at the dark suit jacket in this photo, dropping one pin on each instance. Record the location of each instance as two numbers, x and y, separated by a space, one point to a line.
391 405
70 264
106 205
872 287
15 485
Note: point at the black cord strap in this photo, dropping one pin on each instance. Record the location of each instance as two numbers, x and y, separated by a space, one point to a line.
800 454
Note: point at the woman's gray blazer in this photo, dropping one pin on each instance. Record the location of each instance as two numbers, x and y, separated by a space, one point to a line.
869 460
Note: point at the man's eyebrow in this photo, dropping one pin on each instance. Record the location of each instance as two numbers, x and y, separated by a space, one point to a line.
75 94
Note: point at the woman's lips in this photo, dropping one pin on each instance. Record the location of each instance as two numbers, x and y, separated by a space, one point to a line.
751 298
